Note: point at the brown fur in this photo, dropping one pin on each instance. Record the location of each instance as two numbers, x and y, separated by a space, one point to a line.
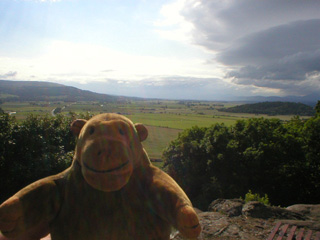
111 191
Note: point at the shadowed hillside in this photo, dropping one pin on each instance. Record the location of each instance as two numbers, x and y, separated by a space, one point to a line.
273 108
45 91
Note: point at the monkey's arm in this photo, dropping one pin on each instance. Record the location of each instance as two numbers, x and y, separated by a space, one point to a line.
171 203
26 215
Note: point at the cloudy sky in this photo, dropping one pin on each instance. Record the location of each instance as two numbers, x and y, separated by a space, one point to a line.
182 49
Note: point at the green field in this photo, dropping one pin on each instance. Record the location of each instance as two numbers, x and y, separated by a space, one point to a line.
180 121
164 119
158 140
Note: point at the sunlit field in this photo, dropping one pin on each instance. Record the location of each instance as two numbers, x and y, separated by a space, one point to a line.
164 119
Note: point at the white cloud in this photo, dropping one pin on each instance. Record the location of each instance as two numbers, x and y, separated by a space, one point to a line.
171 87
8 75
49 0
173 25
87 62
43 1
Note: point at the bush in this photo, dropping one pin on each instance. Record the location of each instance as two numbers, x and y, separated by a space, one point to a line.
33 149
256 197
264 155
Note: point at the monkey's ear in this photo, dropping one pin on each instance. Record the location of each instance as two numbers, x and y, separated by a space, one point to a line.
77 125
142 131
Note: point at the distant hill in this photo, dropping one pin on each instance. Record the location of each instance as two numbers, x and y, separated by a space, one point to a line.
310 99
273 108
46 91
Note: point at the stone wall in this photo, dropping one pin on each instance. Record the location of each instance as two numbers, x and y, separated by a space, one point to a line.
233 219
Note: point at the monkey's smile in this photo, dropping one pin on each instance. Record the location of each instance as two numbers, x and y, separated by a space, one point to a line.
105 171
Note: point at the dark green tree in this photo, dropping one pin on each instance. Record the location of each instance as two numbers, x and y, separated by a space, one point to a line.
317 108
185 160
36 148
266 156
311 137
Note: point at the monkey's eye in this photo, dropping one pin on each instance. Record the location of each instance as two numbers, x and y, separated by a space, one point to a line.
91 130
121 132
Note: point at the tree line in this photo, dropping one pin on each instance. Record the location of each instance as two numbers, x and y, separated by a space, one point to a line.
266 156
273 108
33 149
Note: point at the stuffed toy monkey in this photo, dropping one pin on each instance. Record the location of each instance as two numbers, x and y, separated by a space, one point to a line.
110 192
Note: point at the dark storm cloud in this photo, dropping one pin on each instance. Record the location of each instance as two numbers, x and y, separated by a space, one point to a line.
281 42
271 44
218 23
288 52
298 66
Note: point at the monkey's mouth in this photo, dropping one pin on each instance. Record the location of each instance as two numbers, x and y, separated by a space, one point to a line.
106 171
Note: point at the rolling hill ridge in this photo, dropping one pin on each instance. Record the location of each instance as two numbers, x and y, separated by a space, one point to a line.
46 91
273 108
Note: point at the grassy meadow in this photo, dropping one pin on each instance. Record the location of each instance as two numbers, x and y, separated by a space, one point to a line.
163 118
